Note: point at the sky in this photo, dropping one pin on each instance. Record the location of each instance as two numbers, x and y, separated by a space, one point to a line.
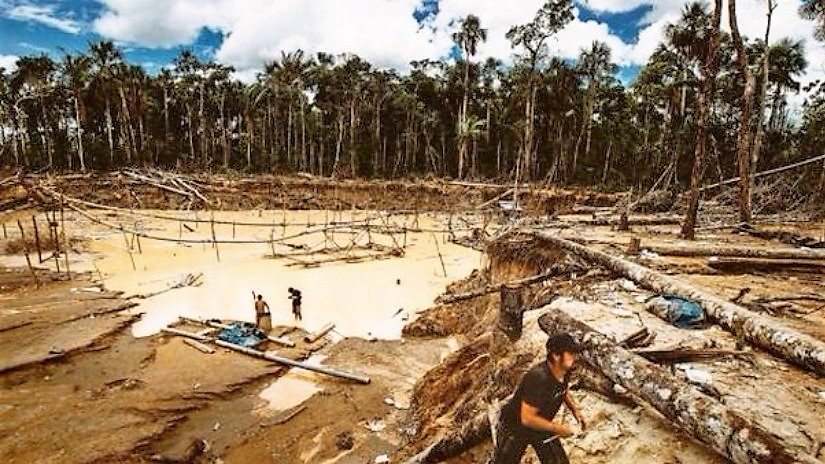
388 33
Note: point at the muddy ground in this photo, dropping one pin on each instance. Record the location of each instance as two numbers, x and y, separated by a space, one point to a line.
77 386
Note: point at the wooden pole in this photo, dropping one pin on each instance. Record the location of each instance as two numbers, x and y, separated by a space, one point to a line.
360 378
5 234
214 240
65 239
313 337
199 346
129 250
37 239
26 251
441 258
56 239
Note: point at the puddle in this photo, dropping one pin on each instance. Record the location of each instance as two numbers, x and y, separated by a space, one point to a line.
362 299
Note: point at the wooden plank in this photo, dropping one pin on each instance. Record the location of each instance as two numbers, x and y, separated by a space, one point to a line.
199 346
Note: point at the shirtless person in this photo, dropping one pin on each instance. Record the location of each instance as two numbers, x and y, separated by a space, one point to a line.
263 320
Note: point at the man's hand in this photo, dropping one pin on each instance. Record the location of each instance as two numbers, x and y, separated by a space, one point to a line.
563 430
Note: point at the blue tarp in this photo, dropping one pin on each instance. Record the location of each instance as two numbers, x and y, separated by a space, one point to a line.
243 334
683 313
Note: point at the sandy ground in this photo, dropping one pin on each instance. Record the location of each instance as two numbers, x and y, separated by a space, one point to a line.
89 381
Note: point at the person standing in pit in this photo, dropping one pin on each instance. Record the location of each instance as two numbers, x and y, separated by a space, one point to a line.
295 296
528 419
263 319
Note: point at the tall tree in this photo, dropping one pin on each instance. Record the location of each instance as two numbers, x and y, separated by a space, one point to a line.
532 37
744 140
595 66
703 104
467 38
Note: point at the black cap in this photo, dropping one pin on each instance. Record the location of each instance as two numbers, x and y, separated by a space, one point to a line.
561 342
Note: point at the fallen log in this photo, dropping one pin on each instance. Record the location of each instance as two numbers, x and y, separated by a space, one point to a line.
723 429
184 333
757 329
701 250
487 289
199 346
747 265
790 238
764 173
313 337
360 378
683 355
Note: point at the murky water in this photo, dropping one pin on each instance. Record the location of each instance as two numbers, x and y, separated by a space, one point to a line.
365 299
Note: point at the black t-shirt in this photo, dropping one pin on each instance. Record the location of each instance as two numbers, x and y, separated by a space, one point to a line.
296 298
540 389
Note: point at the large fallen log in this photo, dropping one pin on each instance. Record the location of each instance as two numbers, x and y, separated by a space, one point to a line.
757 329
723 429
700 250
747 265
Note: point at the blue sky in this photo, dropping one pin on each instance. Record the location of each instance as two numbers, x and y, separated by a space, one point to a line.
245 33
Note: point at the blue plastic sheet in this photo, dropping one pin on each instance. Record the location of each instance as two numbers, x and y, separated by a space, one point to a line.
684 313
243 334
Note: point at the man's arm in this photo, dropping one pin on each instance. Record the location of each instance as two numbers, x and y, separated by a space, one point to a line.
574 408
266 305
531 418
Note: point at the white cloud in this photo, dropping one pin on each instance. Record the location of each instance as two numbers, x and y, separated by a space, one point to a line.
385 33
43 14
9 62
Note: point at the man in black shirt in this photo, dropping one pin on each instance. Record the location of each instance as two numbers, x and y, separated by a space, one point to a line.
295 296
527 419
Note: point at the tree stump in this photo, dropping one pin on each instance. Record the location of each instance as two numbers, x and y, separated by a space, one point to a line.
634 247
511 311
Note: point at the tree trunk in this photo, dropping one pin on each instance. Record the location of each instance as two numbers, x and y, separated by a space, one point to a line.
725 430
702 106
759 330
762 99
744 139
80 154
735 251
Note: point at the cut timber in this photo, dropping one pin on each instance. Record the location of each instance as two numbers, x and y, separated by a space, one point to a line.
471 433
748 265
725 430
199 346
487 289
683 355
313 337
184 333
360 378
759 330
734 251
791 238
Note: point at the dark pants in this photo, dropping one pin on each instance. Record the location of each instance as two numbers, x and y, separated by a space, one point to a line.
296 311
511 448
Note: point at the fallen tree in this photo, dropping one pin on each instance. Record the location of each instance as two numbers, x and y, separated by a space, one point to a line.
729 264
725 430
699 250
791 238
756 329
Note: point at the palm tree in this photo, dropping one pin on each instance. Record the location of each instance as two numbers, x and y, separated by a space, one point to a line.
709 69
786 63
105 56
467 39
76 71
34 80
595 66
815 11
